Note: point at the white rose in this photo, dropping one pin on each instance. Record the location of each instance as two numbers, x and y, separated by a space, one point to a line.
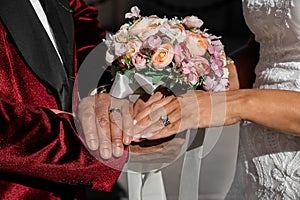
192 22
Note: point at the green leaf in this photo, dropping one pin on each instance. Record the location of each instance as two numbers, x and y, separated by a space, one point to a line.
156 79
175 42
128 73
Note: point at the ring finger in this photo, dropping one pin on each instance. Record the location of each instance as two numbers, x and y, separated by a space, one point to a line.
116 131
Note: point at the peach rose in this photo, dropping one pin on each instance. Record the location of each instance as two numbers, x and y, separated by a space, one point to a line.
163 56
196 43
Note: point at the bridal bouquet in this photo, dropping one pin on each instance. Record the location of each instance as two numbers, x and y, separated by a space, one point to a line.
149 51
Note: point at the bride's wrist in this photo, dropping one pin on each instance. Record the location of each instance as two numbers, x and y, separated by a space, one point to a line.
237 102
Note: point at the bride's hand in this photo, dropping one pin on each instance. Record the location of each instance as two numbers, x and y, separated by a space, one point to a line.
194 109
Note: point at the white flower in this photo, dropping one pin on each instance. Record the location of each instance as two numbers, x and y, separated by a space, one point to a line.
192 22
135 12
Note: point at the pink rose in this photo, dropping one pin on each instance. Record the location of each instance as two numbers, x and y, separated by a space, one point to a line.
181 52
152 42
139 61
163 56
201 65
192 22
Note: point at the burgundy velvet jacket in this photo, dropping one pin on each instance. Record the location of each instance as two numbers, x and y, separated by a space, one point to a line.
41 153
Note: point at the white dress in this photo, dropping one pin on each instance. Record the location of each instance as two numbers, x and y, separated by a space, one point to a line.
268 161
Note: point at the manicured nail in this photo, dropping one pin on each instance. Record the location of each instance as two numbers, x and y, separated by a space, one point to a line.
118 151
127 140
105 153
93 145
137 136
147 135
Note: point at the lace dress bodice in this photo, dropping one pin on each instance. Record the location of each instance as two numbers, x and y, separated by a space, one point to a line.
268 161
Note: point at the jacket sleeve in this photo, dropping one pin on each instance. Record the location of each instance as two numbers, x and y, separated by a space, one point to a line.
36 142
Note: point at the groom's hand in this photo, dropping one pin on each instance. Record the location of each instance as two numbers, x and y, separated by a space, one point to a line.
105 121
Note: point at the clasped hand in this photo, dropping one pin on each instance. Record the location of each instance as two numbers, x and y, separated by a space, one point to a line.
106 124
109 123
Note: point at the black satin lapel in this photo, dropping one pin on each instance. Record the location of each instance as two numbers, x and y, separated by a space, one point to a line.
35 46
61 19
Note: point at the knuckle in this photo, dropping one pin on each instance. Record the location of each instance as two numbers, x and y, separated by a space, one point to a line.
149 118
84 102
103 121
116 119
91 136
86 116
117 141
105 143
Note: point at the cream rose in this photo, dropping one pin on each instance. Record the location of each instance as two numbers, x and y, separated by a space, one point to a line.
173 31
192 22
146 26
196 43
163 56
122 36
133 47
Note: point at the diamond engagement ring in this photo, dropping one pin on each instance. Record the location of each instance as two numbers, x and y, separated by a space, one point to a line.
115 110
165 120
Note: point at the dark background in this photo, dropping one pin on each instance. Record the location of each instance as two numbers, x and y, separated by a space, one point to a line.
222 17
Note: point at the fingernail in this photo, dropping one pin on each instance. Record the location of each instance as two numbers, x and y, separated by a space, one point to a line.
106 154
118 151
127 140
134 122
147 135
93 144
137 136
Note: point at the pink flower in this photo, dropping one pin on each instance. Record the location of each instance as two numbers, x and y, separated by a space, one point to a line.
135 12
139 61
209 83
181 52
217 66
152 42
192 22
120 49
215 49
163 56
189 71
201 65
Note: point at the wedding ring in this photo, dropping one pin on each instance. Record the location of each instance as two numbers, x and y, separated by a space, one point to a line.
115 110
165 120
